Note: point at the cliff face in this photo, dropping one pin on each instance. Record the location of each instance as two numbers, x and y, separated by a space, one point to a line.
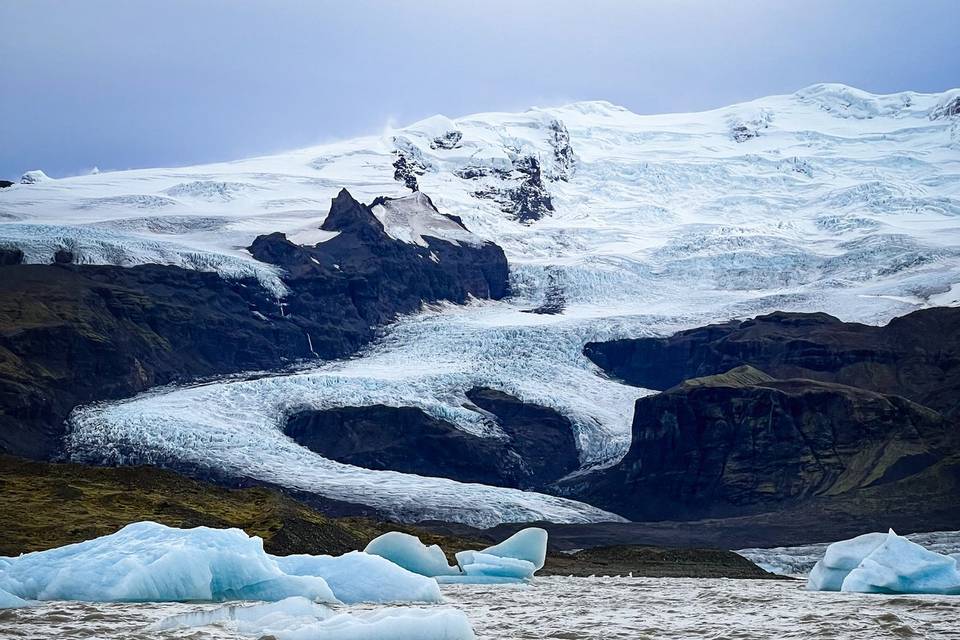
537 449
741 443
72 334
916 356
787 411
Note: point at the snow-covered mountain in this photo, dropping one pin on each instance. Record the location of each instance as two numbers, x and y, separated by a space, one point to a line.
830 199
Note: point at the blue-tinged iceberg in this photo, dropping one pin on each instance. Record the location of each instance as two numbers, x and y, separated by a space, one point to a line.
150 562
884 563
10 601
362 577
147 561
514 560
411 554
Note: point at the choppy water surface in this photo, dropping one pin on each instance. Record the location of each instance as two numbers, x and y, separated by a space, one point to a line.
579 608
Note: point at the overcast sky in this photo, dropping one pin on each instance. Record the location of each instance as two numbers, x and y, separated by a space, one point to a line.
128 83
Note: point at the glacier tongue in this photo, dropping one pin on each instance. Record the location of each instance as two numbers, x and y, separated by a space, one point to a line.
831 199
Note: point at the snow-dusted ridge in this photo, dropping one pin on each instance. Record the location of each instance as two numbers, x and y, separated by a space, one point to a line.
830 199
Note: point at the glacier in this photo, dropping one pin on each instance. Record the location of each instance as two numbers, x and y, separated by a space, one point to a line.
884 563
828 199
298 618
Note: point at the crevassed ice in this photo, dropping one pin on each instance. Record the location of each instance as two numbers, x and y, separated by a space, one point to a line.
843 201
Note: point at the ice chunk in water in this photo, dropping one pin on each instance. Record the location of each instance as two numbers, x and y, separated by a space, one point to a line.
884 563
411 554
362 577
146 561
528 544
840 559
517 557
10 601
901 566
300 619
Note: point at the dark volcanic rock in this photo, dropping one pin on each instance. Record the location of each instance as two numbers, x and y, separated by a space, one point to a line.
654 562
5 183
449 140
916 356
63 256
374 277
10 256
527 198
73 334
946 110
743 443
406 169
539 447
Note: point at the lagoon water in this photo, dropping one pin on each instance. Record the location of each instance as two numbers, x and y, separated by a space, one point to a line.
577 609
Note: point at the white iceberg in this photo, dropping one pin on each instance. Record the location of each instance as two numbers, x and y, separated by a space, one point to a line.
884 563
361 577
146 562
407 551
300 619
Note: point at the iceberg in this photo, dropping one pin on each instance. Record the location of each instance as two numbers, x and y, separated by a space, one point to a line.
407 551
839 559
150 562
514 560
10 601
362 577
517 558
884 563
300 619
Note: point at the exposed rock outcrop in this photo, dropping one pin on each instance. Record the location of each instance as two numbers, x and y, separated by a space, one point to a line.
527 199
374 276
916 356
539 446
5 183
742 442
10 256
406 169
449 140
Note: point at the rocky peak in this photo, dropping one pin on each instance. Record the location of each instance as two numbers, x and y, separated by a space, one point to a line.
349 215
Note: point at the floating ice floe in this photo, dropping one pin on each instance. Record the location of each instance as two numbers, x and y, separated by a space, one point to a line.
300 619
515 559
884 563
407 551
362 577
10 601
147 561
150 562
